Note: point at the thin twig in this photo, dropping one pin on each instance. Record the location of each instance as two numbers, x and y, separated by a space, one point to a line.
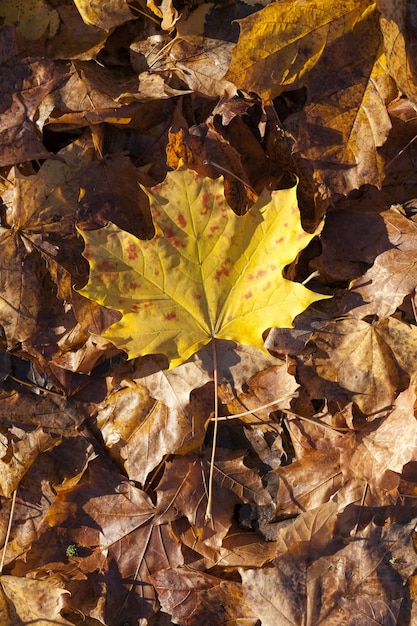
335 429
215 429
224 169
259 408
150 17
9 528
316 422
365 491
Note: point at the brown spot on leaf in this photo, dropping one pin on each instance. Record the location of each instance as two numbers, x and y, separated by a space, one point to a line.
222 271
104 266
131 251
205 202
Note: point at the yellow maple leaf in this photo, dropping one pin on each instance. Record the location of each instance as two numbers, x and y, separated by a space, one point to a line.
207 273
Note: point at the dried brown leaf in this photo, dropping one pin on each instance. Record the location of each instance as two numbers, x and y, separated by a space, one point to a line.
121 539
363 359
382 289
190 596
23 85
184 487
302 487
379 451
45 604
398 26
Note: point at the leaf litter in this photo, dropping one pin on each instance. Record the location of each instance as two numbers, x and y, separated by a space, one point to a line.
107 436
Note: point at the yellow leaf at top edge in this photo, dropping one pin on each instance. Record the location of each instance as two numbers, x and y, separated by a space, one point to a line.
283 41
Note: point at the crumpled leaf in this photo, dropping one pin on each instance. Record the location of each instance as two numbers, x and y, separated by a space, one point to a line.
45 605
279 44
33 18
206 274
373 361
24 83
382 289
189 596
104 14
398 26
379 454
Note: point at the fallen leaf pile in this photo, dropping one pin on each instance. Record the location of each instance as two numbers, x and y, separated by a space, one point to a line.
208 290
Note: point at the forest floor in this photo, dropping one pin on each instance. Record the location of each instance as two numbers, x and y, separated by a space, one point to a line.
208 347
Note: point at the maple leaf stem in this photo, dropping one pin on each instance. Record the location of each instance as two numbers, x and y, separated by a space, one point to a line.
208 515
9 528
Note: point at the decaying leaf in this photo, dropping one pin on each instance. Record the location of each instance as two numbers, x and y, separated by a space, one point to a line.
104 15
379 454
189 596
341 135
398 26
46 601
207 274
34 79
382 289
364 359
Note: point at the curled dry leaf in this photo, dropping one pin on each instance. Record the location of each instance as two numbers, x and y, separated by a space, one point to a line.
24 83
380 454
366 360
104 14
382 289
46 601
189 596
